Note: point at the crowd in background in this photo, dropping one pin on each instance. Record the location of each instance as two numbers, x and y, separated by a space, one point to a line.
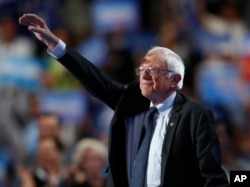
53 133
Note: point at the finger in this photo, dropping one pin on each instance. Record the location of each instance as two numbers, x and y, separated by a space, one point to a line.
31 19
35 29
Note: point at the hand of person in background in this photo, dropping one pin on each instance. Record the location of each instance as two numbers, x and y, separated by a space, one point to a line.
40 29
25 176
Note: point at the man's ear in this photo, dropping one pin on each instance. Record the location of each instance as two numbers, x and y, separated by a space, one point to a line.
175 80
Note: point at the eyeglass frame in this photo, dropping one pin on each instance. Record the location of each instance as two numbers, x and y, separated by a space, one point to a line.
151 70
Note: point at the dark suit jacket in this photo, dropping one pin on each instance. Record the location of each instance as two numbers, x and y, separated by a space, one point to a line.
190 154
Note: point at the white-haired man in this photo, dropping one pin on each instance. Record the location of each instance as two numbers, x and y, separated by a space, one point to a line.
184 149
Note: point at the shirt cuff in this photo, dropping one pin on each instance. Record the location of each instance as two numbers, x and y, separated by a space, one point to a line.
58 51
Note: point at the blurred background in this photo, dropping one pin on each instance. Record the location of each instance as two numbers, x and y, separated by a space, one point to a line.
52 133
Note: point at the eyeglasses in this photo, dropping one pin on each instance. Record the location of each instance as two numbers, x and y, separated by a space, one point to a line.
150 70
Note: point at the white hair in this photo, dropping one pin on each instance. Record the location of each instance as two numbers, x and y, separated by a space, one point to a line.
174 62
89 143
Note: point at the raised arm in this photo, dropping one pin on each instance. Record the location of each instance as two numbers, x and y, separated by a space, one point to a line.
96 83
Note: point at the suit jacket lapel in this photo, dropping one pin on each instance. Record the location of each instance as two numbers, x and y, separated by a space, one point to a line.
171 128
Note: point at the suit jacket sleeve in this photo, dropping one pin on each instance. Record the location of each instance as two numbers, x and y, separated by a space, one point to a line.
95 82
208 151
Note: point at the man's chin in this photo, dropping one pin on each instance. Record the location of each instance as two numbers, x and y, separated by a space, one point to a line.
146 93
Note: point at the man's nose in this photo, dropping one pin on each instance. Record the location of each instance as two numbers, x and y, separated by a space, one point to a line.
145 75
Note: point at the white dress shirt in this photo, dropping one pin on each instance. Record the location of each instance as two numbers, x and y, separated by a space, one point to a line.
154 157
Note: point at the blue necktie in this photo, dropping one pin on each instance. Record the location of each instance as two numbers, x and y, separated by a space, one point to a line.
140 164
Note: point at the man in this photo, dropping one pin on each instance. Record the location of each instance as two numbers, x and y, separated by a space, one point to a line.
184 150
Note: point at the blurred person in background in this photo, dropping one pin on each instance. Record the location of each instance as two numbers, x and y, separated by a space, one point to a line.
11 41
47 171
199 147
17 52
43 125
88 164
49 125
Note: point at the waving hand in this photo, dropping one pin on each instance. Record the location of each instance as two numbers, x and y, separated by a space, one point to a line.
40 29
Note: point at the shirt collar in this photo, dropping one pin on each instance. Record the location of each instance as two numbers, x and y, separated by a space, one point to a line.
165 104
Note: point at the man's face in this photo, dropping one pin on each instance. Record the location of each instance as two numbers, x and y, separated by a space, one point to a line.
155 86
48 127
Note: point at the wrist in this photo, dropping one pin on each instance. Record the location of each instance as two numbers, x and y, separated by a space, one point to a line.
57 50
52 44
